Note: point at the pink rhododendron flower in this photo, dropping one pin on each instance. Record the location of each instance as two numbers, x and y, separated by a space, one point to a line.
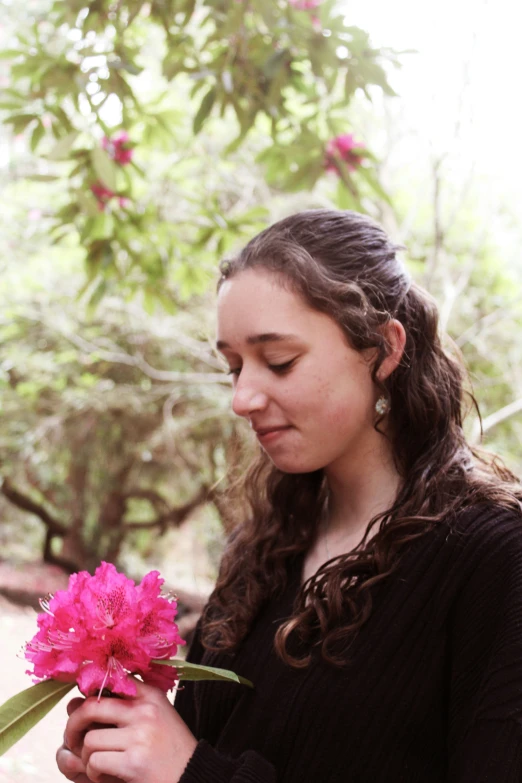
101 194
104 628
305 5
343 147
118 148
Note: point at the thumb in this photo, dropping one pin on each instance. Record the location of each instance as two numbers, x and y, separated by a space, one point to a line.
73 705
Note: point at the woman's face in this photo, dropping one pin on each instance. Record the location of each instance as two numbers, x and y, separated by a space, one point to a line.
307 394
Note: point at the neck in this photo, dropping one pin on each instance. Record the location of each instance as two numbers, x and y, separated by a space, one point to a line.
361 490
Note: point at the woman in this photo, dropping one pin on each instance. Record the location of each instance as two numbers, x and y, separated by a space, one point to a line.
373 594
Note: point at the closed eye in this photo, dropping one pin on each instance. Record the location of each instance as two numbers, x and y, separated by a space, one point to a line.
277 368
281 368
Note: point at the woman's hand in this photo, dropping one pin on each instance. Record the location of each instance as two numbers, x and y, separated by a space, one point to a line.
71 765
140 740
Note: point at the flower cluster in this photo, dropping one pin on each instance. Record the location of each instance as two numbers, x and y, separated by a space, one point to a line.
305 5
104 628
120 150
345 148
102 194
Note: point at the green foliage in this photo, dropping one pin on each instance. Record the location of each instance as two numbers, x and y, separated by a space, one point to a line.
110 423
195 672
457 257
229 108
192 84
21 712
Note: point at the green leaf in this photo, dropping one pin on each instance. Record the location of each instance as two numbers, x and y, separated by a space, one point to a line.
101 226
61 150
88 204
194 672
204 110
371 178
20 121
97 295
10 105
42 177
10 54
172 65
105 168
275 62
372 73
21 712
63 119
344 199
189 8
259 214
37 136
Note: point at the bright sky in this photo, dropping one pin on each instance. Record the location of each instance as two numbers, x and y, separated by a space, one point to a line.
467 68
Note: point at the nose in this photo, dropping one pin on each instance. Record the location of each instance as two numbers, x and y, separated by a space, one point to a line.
248 397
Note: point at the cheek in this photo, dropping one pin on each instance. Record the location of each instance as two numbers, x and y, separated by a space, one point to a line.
343 404
305 393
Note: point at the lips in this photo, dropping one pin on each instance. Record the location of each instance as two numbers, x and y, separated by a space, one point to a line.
265 430
271 435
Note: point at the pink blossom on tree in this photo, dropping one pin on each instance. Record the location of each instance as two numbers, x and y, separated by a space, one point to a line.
102 194
104 628
345 148
119 148
305 5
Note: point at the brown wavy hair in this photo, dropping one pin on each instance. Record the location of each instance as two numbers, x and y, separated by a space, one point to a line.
343 264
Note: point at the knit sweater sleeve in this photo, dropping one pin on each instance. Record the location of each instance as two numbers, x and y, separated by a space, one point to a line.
485 710
185 703
207 765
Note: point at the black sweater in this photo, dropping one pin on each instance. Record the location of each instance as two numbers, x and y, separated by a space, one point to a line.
433 693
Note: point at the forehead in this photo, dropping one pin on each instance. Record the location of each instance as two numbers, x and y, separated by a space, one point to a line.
254 307
257 301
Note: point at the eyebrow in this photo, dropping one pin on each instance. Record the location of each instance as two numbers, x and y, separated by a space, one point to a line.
256 339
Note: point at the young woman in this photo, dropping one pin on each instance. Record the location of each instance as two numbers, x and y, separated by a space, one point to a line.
373 593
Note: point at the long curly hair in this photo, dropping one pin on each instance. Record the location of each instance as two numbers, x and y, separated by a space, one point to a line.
343 264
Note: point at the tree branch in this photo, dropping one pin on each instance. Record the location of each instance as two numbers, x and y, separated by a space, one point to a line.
24 502
33 481
175 516
495 418
155 498
481 325
438 232
136 360
49 557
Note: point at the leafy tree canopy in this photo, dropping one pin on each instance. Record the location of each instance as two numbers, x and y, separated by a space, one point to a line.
146 112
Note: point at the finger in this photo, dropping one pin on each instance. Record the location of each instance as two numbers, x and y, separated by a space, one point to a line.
78 748
104 739
109 712
143 690
74 704
148 692
71 766
107 763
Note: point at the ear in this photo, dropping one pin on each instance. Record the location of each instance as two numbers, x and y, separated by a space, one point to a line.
395 337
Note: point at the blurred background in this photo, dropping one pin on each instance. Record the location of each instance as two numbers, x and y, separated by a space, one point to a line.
140 143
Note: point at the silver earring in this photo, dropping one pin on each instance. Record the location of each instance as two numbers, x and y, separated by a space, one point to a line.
382 406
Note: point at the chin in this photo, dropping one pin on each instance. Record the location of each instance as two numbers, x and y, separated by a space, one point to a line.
295 467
